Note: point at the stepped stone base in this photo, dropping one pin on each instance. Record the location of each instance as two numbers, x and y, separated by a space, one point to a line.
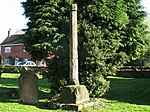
74 107
74 94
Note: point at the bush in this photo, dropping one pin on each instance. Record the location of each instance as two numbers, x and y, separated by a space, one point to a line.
58 76
96 84
10 69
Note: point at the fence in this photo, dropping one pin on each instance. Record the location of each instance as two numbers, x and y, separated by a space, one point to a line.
135 72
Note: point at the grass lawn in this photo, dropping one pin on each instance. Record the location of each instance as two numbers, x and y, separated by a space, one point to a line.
125 95
8 81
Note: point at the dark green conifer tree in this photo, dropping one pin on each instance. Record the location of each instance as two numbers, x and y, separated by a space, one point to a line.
111 33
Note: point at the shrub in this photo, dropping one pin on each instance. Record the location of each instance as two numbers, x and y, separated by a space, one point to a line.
10 69
95 83
58 75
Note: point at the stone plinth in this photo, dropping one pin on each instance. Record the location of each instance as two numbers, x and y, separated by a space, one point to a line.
74 94
28 87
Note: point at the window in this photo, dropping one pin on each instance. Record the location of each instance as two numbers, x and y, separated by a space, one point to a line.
32 63
16 60
24 50
25 59
7 49
28 63
7 62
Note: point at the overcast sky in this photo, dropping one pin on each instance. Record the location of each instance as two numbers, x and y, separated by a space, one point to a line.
11 16
146 4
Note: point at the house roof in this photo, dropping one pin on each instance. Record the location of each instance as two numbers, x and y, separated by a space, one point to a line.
13 39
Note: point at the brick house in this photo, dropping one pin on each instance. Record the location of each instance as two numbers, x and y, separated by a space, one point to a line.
13 50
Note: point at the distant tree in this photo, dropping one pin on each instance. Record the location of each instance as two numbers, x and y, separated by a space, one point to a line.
111 33
47 36
144 60
136 41
0 59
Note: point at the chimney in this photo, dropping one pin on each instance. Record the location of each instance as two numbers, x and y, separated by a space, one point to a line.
9 32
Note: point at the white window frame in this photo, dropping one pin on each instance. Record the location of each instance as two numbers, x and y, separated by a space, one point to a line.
16 60
25 59
24 50
7 49
7 62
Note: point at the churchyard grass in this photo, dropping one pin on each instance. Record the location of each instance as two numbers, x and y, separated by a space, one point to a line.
125 95
9 81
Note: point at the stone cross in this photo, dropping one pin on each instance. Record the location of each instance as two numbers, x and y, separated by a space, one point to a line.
73 93
73 46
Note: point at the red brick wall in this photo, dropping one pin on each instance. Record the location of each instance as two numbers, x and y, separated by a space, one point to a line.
16 51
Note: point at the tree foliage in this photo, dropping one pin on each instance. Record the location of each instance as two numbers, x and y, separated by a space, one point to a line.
111 33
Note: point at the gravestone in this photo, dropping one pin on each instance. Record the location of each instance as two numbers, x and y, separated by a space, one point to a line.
28 87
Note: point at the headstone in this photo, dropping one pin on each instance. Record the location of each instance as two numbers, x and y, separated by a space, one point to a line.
28 87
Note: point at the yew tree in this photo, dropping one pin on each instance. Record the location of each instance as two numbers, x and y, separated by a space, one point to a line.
111 33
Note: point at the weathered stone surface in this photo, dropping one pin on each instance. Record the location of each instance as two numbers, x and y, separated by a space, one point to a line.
75 107
72 107
73 46
75 94
28 87
13 93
